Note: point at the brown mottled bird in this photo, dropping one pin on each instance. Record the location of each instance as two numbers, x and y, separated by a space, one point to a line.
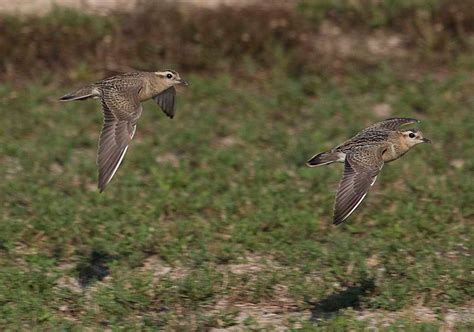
363 157
120 97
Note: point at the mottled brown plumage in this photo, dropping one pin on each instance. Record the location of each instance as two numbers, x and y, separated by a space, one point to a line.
120 97
364 156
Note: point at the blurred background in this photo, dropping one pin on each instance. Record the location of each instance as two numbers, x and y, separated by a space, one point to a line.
213 221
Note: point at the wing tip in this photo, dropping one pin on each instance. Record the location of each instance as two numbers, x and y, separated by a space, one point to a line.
101 186
337 220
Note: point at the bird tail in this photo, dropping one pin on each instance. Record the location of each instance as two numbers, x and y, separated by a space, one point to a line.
323 158
86 92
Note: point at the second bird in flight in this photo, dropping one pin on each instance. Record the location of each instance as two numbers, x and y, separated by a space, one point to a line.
363 157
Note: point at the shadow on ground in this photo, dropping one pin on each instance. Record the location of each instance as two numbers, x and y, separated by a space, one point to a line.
348 298
93 268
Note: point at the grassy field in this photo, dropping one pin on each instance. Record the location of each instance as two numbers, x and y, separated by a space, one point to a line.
215 218
214 221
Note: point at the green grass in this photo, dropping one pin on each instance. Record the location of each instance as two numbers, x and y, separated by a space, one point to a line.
213 217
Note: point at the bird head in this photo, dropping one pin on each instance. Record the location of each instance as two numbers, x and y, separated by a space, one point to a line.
413 137
170 78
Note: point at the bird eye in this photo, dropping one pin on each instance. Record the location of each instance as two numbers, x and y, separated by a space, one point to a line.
169 76
411 135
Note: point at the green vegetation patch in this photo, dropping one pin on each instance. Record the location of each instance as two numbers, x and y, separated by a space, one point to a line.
214 217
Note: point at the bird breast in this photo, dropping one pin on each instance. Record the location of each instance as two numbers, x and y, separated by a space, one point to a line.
151 87
393 152
146 91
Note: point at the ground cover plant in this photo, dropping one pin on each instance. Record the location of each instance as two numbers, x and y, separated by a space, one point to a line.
213 221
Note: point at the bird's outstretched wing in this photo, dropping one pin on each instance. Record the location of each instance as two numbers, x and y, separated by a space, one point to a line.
361 168
391 124
166 100
121 109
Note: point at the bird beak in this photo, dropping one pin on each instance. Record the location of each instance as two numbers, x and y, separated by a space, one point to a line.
183 82
425 140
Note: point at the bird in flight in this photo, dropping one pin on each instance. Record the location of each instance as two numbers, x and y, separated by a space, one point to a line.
120 97
364 156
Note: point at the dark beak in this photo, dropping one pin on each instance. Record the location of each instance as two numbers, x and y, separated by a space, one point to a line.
425 140
183 82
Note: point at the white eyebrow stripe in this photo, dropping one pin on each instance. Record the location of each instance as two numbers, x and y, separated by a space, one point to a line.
163 73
